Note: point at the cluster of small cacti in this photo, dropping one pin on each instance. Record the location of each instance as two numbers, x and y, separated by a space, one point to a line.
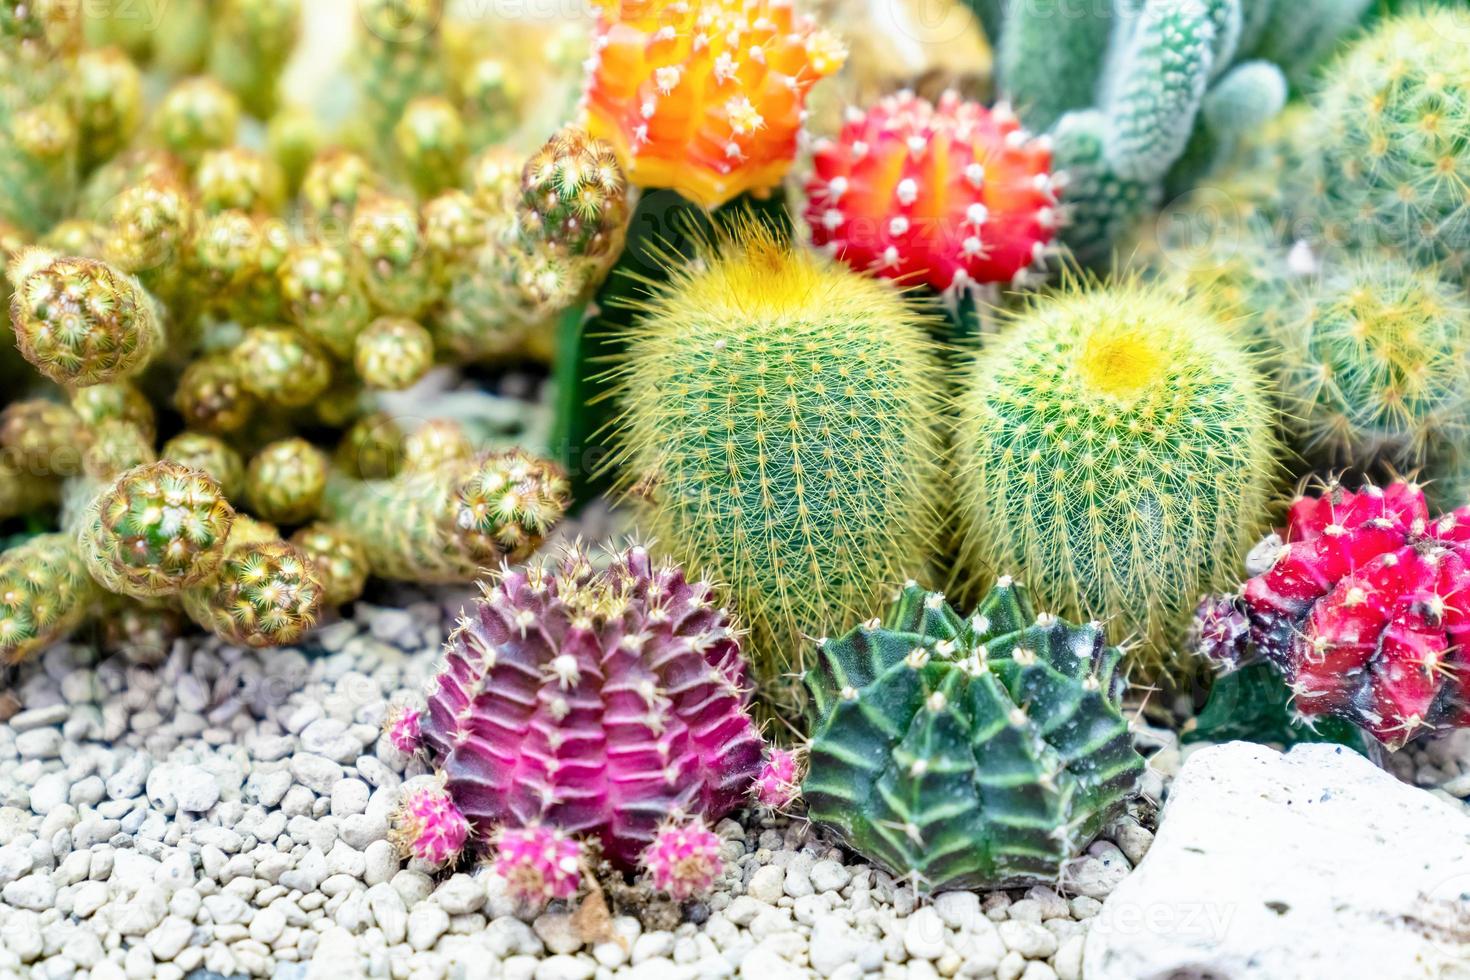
584 707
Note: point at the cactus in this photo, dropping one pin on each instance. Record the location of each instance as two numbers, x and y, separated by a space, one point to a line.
238 179
149 226
337 557
450 523
779 427
1387 139
81 322
403 726
968 753
42 438
574 197
333 185
393 353
677 91
118 400
684 860
197 115
390 256
285 481
211 456
157 530
282 366
250 43
1376 364
1102 207
398 58
264 592
1356 607
109 104
1119 445
211 395
539 864
778 784
322 297
428 826
431 141
628 664
950 195
371 448
45 593
113 447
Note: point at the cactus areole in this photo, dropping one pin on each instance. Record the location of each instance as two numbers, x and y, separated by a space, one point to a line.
598 701
968 753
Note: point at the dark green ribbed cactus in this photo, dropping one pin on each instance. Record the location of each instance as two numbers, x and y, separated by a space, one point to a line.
968 753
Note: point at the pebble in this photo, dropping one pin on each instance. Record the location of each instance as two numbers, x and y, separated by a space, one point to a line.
767 884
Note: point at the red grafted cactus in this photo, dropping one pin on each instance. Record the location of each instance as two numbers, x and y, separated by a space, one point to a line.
1364 609
428 826
538 863
778 783
950 194
684 860
404 728
595 700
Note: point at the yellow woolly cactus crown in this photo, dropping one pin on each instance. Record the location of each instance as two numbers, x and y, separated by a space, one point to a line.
705 96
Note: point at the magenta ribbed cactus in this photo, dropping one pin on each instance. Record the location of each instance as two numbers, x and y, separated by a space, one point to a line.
404 728
428 825
684 859
778 783
595 700
539 863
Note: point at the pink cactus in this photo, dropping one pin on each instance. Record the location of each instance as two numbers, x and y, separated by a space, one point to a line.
778 784
427 825
684 859
539 863
1366 609
403 726
594 700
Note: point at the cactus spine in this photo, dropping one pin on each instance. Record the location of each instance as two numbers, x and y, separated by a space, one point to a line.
780 430
1117 445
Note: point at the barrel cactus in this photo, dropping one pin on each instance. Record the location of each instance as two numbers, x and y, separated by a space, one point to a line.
968 753
1117 444
596 701
779 430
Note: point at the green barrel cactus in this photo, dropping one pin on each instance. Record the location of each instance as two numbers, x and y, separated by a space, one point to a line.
1117 444
968 753
779 431
1389 139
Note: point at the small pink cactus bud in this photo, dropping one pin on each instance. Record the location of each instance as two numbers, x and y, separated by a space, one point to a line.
429 826
778 783
684 859
538 863
403 728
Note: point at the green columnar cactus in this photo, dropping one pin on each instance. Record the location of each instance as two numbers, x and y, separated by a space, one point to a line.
1118 444
285 481
81 322
492 97
451 523
968 753
322 297
1145 94
158 529
294 138
399 58
393 353
1375 364
1389 140
263 593
281 366
249 46
211 395
779 427
149 226
238 179
45 593
331 188
210 455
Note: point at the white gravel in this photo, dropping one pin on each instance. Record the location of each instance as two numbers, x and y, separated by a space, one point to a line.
226 811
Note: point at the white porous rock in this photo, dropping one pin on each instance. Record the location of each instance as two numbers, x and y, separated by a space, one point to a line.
1312 863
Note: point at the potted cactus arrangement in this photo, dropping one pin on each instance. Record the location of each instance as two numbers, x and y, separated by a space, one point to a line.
793 487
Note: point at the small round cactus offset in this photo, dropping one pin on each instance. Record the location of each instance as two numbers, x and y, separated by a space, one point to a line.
1359 606
706 98
282 366
1118 444
404 727
968 753
338 558
45 593
285 481
539 863
81 322
393 353
561 725
950 194
157 530
573 196
428 826
684 860
264 593
778 784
